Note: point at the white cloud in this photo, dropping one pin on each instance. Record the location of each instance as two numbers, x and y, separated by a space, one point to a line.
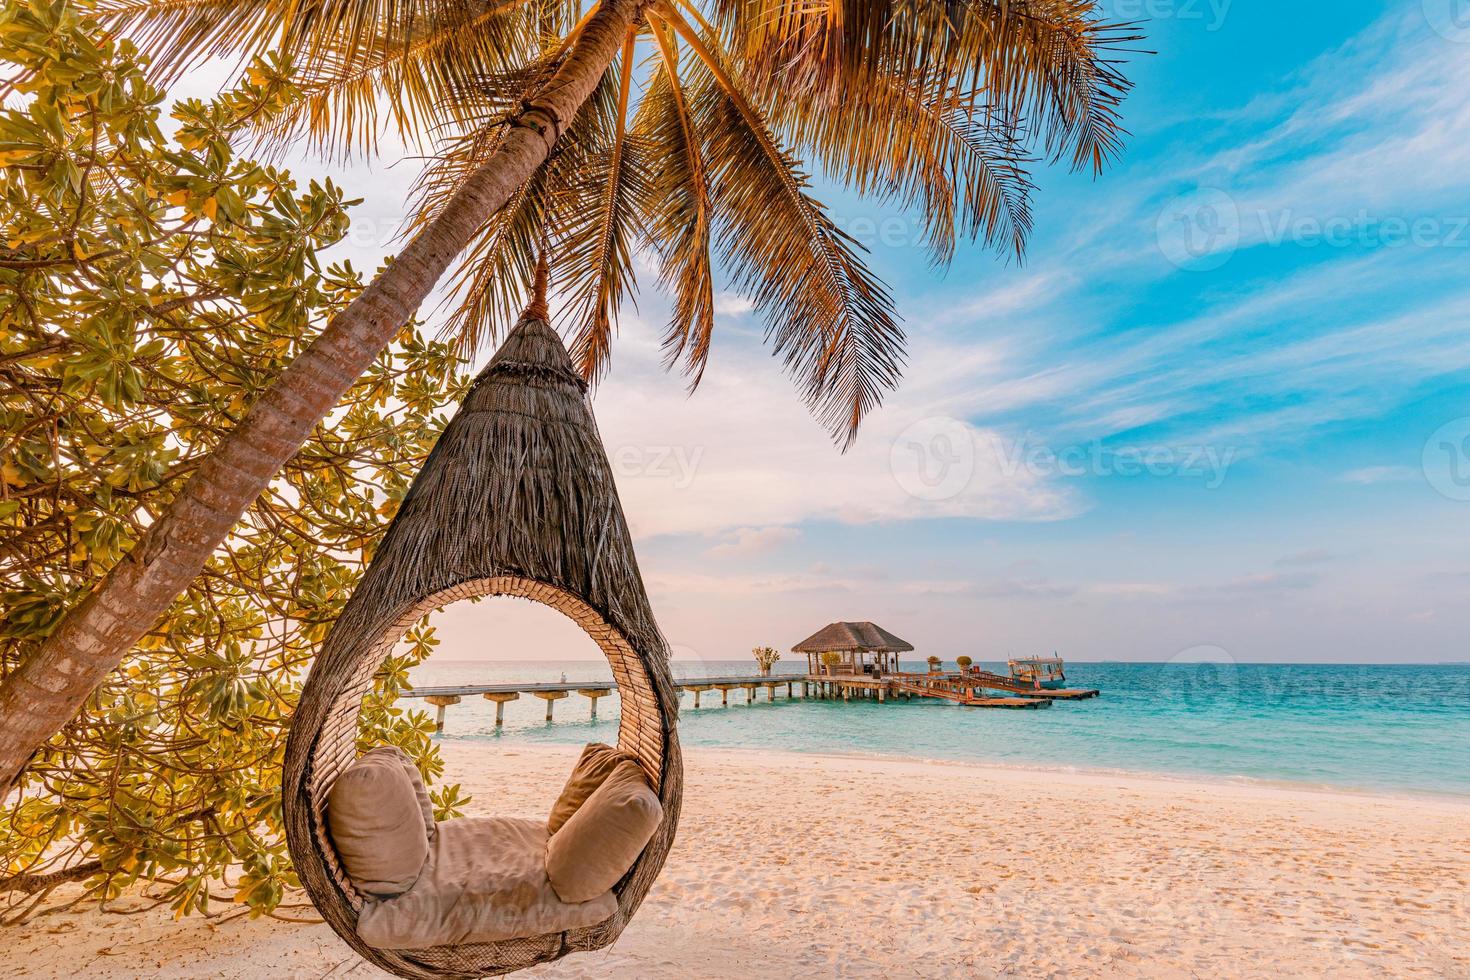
1131 589
1308 556
743 452
1379 474
731 304
1269 582
753 540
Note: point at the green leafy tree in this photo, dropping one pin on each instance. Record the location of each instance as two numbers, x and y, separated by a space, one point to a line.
148 287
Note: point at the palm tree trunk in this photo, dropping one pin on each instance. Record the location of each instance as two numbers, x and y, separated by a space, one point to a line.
46 691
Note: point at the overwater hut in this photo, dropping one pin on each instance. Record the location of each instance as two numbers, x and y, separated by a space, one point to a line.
861 648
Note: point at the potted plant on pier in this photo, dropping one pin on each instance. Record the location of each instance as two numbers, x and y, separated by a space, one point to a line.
831 659
964 664
765 658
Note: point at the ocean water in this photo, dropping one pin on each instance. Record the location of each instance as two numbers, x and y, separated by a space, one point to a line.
1393 728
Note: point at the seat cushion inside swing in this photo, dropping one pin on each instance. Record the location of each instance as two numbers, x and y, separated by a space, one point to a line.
485 880
592 769
600 842
382 822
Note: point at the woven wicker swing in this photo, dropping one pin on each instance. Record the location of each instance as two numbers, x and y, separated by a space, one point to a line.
517 499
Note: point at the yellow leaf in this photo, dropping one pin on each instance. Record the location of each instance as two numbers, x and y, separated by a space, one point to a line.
178 198
11 474
211 206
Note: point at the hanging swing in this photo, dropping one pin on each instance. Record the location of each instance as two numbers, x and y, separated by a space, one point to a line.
516 499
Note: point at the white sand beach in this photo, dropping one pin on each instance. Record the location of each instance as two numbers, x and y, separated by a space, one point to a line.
795 865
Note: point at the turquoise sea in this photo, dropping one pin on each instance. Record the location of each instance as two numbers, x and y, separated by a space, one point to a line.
1402 729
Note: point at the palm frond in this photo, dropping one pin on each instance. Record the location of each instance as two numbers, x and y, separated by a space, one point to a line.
178 34
679 227
355 61
1052 63
828 317
607 210
926 147
417 79
488 282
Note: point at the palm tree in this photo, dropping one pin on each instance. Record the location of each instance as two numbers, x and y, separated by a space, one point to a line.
531 110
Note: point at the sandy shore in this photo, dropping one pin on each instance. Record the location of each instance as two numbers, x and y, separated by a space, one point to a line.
792 865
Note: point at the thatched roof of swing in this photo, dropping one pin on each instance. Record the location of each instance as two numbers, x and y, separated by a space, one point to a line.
857 637
522 471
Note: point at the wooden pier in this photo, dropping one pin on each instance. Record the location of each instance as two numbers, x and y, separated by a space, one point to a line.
973 688
443 697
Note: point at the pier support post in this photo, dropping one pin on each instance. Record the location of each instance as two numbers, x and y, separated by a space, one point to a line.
441 701
750 694
500 699
788 690
882 695
698 690
770 692
550 697
592 694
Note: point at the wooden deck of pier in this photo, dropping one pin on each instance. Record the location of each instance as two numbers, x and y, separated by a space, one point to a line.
1000 682
882 687
974 689
443 697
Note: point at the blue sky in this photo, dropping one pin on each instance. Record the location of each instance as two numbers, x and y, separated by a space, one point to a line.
1216 413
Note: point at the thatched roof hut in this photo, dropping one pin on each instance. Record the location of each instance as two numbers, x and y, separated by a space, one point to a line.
862 648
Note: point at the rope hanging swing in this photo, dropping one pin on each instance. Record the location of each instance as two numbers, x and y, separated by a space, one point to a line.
517 498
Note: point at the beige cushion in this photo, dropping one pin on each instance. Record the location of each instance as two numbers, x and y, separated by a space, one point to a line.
597 846
377 823
592 768
485 881
420 791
